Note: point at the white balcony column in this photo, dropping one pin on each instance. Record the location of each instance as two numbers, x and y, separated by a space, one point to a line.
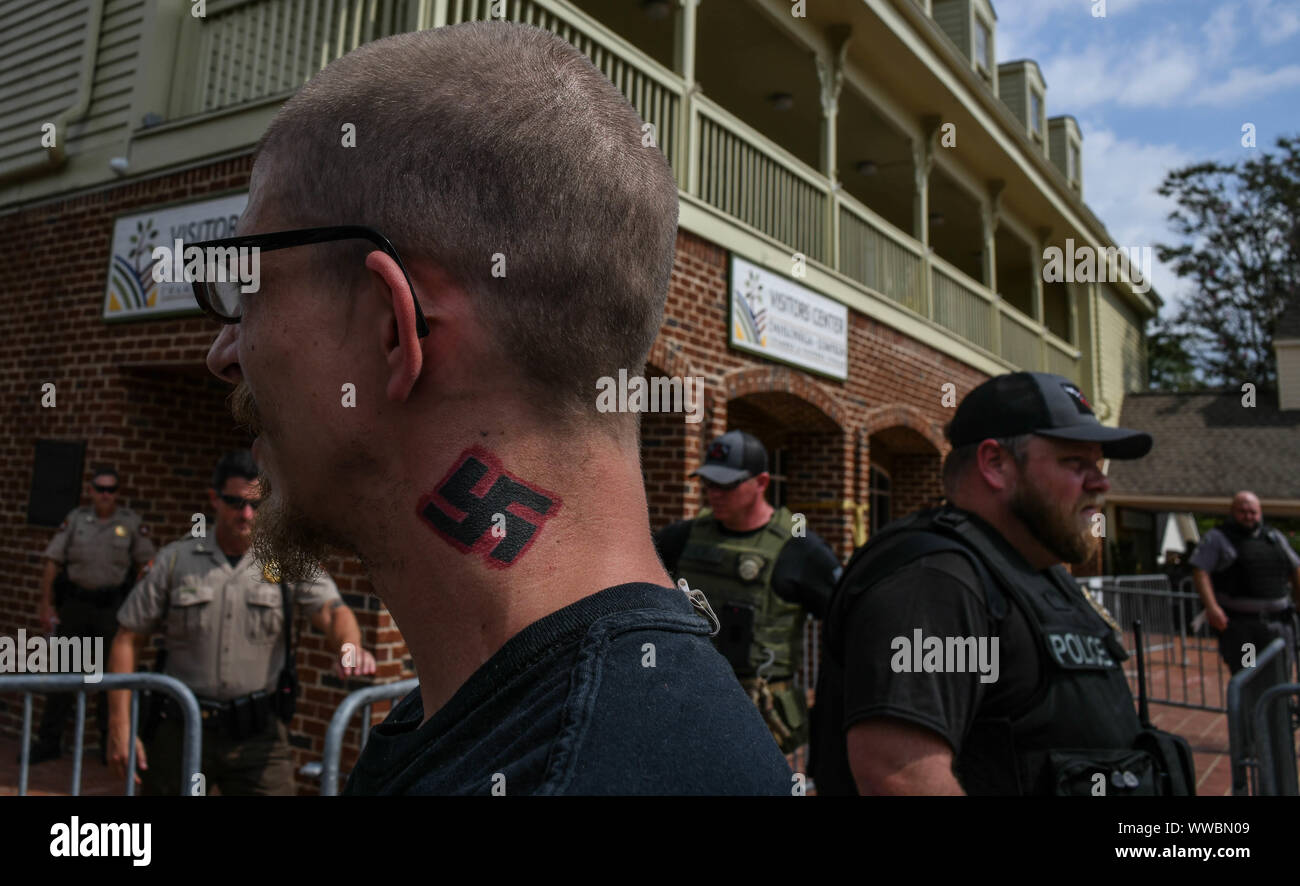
1036 264
923 148
830 73
684 37
990 217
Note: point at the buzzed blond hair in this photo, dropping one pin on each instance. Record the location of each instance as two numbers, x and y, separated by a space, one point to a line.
494 144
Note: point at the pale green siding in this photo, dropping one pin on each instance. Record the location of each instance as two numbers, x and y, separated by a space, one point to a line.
953 17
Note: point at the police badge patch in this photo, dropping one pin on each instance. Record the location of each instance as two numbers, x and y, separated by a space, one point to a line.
749 567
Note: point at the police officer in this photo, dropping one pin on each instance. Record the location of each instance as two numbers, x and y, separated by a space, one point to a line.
961 657
224 617
760 572
1245 572
90 564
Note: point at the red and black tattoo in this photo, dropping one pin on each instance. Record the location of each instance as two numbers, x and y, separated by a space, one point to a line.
478 495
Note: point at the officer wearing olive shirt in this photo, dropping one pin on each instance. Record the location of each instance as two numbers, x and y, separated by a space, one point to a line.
1245 572
961 657
759 576
227 620
90 564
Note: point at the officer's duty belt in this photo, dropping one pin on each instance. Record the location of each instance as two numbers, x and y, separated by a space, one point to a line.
239 718
101 597
1283 615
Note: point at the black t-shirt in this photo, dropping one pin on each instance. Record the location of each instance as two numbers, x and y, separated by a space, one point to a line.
941 596
805 573
618 693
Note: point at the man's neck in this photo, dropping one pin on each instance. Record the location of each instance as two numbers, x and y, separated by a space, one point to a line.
755 518
105 514
229 547
455 612
1012 530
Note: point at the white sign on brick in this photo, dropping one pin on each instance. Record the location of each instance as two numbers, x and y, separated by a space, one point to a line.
777 318
132 290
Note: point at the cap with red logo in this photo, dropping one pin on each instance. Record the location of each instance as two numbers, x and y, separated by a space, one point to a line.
1039 403
733 457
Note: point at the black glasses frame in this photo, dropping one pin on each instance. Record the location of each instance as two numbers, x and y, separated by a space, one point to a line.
302 237
104 490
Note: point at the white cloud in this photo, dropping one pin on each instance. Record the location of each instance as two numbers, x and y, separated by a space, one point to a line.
1120 177
1157 74
1221 32
1248 83
1275 21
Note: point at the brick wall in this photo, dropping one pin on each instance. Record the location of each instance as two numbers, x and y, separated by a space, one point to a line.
139 394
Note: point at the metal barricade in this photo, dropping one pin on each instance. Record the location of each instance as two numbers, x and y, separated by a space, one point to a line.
1275 728
191 746
1183 664
362 698
1251 727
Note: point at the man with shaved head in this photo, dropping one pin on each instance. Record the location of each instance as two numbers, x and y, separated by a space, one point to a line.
1246 573
439 299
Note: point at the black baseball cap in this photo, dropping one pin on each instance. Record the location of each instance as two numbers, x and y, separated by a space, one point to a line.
1039 403
733 457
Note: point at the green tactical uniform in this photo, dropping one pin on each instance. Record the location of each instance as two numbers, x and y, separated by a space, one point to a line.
761 634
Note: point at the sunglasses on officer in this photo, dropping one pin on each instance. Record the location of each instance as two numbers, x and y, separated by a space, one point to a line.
234 501
720 487
106 490
223 299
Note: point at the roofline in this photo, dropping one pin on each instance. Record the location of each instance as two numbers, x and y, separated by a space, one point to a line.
1285 507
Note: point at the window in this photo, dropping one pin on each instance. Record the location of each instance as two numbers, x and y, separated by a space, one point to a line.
1074 163
1035 113
878 497
983 44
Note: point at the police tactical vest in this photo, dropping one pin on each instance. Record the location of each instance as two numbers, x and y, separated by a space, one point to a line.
1260 571
1080 719
735 574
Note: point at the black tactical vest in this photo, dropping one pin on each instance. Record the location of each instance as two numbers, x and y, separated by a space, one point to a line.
1261 570
1079 721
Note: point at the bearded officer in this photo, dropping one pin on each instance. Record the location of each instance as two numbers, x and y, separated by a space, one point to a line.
90 564
1245 573
961 656
759 575
227 623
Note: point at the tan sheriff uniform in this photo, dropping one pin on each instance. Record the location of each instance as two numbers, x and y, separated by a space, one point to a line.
97 552
225 636
96 555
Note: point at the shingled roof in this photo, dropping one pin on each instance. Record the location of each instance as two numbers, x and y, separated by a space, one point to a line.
1208 444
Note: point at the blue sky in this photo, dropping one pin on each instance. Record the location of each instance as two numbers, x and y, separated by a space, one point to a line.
1155 85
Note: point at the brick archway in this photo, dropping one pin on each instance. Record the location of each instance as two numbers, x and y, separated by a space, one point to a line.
894 416
779 379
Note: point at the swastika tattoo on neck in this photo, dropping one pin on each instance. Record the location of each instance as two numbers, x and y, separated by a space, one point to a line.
480 507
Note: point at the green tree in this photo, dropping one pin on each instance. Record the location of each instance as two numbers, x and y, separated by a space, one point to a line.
1240 226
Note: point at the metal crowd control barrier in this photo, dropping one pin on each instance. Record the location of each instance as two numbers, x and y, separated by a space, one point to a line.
1253 726
51 683
1184 669
362 698
1276 727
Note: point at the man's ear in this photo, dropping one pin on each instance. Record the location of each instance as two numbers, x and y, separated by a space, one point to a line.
994 464
212 499
397 332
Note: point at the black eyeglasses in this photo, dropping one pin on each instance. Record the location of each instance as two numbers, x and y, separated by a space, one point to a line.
222 299
107 490
238 503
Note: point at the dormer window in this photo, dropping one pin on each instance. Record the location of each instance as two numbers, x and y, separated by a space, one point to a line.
1036 114
983 47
